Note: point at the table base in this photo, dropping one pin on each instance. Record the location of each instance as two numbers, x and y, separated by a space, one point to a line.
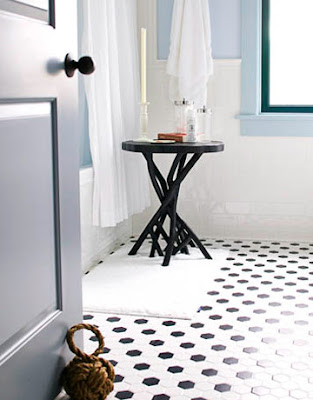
180 235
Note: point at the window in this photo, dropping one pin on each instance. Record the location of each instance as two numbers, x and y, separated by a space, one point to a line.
277 68
287 56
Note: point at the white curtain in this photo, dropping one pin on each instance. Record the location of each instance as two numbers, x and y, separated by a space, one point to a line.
190 62
120 178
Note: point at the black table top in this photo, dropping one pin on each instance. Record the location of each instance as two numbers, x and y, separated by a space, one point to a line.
199 147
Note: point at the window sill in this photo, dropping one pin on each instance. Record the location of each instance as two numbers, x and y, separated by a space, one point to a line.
276 124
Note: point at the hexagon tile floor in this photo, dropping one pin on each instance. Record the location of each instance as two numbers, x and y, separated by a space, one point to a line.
252 339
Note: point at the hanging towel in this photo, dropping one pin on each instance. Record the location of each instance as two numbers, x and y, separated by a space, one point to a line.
190 62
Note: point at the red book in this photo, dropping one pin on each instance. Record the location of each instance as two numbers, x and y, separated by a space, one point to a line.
178 137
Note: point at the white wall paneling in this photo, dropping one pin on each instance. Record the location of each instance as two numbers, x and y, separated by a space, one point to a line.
259 187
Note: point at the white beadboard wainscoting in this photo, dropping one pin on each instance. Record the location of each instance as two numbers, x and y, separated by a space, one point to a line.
96 242
258 188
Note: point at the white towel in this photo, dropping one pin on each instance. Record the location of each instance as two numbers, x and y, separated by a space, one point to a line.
190 62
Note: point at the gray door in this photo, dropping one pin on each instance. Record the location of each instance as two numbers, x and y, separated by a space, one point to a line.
40 286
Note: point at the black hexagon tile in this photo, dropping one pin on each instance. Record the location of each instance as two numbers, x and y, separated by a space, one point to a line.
157 342
141 321
197 325
218 347
148 332
237 338
105 350
198 357
87 317
118 378
230 360
126 394
119 329
134 353
222 387
198 398
166 355
187 345
126 340
209 372
169 323
186 384
244 375
215 317
207 336
142 366
177 334
113 319
226 327
151 381
175 369
250 350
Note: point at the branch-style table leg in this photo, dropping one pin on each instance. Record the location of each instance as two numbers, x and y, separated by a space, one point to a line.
167 191
170 245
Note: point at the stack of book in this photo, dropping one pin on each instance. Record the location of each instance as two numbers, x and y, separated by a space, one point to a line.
178 137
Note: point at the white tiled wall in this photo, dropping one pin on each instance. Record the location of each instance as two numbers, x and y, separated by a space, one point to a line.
259 187
96 242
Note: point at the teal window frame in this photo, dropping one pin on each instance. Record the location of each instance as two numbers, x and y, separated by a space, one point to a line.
265 90
253 120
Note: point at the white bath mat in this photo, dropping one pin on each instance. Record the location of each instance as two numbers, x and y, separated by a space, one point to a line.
139 285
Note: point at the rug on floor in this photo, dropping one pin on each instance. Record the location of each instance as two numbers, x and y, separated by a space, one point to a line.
139 285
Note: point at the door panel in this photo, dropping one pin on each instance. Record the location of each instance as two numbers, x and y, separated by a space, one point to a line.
42 4
40 286
27 219
36 9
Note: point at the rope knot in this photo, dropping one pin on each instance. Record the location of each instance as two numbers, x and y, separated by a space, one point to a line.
87 377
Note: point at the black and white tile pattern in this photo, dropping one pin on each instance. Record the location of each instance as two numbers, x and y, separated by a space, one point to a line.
252 338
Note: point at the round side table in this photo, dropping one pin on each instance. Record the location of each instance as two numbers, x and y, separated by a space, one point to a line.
180 235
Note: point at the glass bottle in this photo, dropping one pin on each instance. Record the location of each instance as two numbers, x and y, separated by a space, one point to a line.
191 126
181 109
204 127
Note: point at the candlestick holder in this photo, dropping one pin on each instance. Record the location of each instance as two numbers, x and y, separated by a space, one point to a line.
144 124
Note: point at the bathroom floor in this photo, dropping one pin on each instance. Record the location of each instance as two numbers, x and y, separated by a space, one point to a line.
252 339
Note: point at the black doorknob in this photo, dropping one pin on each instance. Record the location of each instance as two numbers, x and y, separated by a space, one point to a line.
85 65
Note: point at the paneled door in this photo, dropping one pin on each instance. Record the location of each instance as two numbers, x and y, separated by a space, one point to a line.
40 285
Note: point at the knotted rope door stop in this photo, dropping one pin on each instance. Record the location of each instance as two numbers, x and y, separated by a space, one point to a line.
87 377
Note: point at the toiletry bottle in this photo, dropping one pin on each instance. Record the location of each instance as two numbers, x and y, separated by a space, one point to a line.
204 124
181 110
191 126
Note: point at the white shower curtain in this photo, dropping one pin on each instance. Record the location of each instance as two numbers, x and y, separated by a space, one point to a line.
120 179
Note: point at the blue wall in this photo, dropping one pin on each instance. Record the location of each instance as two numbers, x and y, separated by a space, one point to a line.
85 157
225 23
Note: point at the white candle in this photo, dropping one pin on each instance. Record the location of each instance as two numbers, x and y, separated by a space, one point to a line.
143 65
